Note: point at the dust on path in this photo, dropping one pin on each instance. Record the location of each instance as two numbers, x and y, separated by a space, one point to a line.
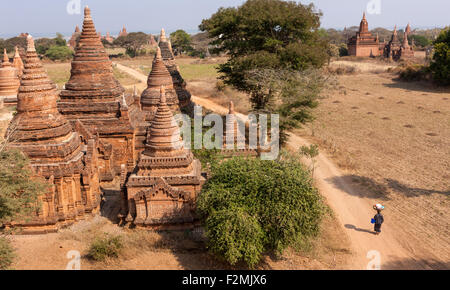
352 210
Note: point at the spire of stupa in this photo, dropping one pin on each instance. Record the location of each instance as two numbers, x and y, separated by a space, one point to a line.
163 138
5 62
92 74
17 62
163 37
36 103
159 76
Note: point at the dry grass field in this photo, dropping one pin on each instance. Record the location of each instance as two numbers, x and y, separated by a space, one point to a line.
393 138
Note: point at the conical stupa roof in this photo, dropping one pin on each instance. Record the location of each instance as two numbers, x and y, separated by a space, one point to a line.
92 74
9 80
166 50
159 76
38 121
164 134
17 62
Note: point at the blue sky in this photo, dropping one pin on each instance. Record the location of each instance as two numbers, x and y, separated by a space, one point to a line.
46 17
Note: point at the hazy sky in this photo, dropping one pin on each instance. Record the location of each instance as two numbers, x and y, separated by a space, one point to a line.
45 17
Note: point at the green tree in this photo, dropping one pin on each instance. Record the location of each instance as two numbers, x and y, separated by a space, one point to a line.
11 43
59 53
419 40
270 35
133 42
181 41
440 66
43 44
59 40
18 190
6 254
252 206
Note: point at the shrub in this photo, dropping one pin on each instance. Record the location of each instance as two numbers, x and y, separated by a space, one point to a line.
6 254
414 72
239 226
59 53
440 66
18 191
106 247
252 206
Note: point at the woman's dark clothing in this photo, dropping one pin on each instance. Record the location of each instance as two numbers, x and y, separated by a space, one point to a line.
379 219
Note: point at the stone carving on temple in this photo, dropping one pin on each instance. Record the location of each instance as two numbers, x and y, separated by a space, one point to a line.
179 84
9 82
64 157
95 97
164 186
364 43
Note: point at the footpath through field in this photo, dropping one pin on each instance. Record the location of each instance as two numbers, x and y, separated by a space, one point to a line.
353 211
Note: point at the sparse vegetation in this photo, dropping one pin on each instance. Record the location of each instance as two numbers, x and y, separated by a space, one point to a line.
414 72
105 247
6 254
18 191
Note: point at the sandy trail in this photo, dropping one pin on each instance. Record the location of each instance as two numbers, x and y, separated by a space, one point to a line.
352 210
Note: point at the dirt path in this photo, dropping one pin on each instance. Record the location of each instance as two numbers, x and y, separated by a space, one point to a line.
352 210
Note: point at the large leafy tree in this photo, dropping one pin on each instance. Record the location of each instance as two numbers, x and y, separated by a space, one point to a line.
276 36
181 41
440 66
133 42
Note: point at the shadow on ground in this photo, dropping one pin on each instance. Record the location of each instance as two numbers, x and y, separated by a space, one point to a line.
425 87
415 264
352 227
370 188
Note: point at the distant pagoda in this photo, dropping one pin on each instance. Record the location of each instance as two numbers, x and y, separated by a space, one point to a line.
9 82
74 38
179 84
364 43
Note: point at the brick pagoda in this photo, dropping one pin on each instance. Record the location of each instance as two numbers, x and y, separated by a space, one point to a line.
364 43
179 84
55 151
73 39
17 62
9 82
95 97
163 190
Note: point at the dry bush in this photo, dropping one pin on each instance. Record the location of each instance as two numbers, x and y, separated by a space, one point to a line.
413 72
342 70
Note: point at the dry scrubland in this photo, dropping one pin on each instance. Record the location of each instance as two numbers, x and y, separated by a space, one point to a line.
152 250
392 138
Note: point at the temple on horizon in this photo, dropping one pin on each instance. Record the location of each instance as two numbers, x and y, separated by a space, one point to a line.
364 43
